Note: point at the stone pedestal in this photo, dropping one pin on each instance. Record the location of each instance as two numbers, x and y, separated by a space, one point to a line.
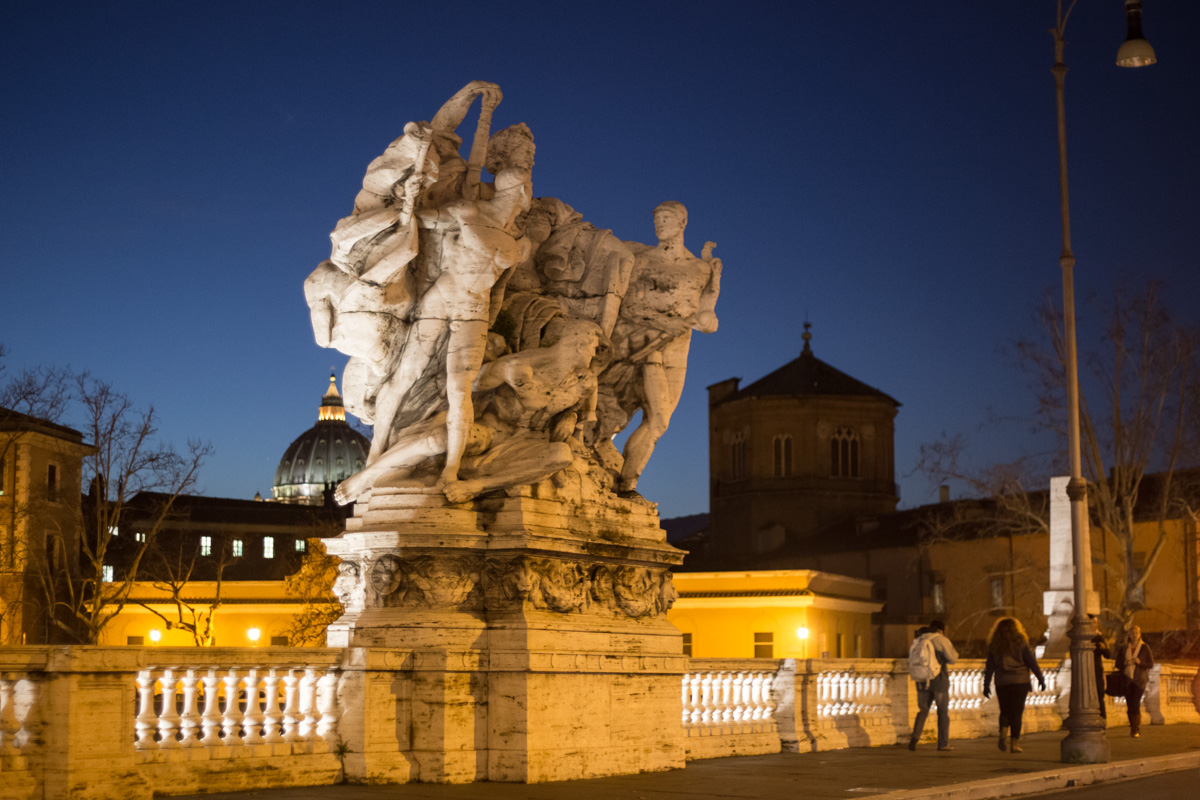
1059 600
537 629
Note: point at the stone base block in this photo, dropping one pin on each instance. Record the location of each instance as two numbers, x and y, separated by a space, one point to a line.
567 726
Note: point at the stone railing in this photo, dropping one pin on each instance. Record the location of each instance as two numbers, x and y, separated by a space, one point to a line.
130 722
289 700
1169 695
728 707
837 703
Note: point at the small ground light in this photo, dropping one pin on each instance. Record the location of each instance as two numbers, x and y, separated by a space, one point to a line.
802 633
155 635
253 634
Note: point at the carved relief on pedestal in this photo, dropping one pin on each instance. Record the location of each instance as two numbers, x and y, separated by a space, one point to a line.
425 581
552 584
349 587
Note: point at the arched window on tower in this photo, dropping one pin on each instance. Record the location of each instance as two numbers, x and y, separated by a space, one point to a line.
737 461
783 455
843 453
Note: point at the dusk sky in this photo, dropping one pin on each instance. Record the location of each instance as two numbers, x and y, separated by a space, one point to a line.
171 173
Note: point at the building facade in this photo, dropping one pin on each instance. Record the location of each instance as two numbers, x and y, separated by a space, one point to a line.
797 451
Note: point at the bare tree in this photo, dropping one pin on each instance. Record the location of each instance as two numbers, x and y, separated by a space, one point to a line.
126 459
171 569
1138 392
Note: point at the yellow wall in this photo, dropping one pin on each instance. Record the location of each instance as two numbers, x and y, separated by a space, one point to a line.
723 611
245 605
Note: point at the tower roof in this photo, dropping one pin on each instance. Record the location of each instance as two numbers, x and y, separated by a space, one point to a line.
808 375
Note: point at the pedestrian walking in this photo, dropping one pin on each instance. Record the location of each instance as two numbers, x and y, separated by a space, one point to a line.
1100 652
1134 661
930 654
1011 661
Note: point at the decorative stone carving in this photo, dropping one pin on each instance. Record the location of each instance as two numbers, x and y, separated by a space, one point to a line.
497 341
349 587
444 582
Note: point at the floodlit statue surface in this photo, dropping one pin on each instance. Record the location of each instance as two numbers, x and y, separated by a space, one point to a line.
498 341
499 550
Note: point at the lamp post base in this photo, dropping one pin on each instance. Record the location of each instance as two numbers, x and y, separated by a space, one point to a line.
1086 742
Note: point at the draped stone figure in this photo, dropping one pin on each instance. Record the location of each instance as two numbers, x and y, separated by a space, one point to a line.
497 340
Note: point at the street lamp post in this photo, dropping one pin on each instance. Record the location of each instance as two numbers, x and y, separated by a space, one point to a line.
1085 741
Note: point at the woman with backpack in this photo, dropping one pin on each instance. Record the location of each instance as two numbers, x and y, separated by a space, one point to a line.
1011 661
1134 660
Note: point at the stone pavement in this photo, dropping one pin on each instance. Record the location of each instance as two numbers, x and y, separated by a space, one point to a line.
973 770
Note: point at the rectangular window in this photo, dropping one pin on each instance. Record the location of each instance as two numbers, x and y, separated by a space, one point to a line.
106 573
858 646
135 640
52 482
301 546
279 641
206 545
939 597
840 644
687 644
139 537
764 645
823 644
268 547
237 548
998 591
113 530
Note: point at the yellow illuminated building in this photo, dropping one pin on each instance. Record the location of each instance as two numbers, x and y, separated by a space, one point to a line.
774 614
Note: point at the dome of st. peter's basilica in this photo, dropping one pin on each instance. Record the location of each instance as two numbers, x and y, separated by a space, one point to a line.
321 457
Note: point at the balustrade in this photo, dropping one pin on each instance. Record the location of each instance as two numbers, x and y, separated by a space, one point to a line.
185 707
853 691
737 700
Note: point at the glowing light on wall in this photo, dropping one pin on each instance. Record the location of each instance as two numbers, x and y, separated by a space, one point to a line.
155 635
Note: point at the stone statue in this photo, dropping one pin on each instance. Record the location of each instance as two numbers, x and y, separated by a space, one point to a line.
499 341
671 292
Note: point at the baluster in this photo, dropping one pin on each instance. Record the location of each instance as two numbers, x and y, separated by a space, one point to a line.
9 727
738 686
231 717
168 719
726 705
25 696
190 719
254 714
685 696
841 692
706 706
694 687
291 707
308 705
858 693
755 697
328 706
272 716
147 721
210 720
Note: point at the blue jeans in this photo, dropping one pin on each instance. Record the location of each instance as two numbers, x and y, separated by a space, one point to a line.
925 698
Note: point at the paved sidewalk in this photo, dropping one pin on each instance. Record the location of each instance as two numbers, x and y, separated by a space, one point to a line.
973 770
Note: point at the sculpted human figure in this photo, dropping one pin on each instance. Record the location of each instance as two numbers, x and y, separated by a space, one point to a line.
670 293
478 243
530 402
360 296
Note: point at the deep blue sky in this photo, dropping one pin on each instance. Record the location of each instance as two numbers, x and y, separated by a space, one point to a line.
171 172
